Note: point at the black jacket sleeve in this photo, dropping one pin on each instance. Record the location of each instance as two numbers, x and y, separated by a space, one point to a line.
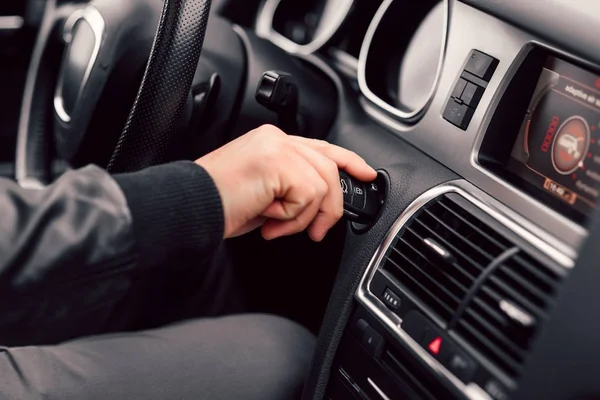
88 223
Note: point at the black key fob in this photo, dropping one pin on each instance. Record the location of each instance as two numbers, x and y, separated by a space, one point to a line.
362 200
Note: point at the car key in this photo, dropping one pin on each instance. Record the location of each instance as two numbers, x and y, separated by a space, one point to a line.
362 200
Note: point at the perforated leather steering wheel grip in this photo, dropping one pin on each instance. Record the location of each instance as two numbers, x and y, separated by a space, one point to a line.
152 123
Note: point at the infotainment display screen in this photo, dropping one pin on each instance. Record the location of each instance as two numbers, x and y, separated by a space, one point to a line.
557 149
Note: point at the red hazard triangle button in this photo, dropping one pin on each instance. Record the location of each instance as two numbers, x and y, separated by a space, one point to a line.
435 346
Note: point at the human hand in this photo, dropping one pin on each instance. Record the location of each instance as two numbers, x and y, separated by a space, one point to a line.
283 183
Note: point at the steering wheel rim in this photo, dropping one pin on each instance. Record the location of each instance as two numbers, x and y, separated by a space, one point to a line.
152 122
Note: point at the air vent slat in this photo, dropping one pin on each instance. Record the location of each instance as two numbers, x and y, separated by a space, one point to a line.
476 267
542 298
486 257
429 278
495 354
506 344
504 291
484 230
445 271
416 286
543 276
506 313
494 314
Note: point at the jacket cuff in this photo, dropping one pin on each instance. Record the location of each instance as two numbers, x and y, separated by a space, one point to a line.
176 211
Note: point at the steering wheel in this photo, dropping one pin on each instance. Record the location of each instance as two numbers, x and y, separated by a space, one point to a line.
63 90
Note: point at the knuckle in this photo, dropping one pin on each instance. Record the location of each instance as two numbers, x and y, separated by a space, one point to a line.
332 168
338 212
270 130
321 188
312 192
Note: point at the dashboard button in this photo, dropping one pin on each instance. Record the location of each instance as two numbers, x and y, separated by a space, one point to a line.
360 328
481 65
458 114
459 88
434 342
391 299
358 196
373 342
415 325
472 94
458 363
347 188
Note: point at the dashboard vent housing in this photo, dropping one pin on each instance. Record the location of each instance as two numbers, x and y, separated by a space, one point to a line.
484 289
503 316
416 258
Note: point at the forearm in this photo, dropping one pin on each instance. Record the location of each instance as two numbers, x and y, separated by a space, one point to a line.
176 211
90 223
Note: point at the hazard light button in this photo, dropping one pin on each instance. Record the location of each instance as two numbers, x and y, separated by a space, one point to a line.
434 342
435 346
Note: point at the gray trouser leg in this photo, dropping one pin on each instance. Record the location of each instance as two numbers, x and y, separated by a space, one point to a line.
235 357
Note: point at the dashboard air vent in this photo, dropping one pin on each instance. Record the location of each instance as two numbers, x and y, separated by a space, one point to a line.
503 316
440 253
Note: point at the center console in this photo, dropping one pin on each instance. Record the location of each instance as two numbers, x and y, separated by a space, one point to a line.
450 304
454 293
453 299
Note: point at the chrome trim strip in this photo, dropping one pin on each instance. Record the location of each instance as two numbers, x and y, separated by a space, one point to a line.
69 24
11 23
393 323
334 14
362 65
380 392
93 17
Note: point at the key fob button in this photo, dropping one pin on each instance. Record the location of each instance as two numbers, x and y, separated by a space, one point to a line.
359 196
347 188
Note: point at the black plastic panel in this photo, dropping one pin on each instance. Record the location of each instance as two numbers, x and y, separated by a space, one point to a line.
394 370
411 173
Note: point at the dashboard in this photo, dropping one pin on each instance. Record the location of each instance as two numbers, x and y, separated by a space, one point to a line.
409 59
404 86
486 116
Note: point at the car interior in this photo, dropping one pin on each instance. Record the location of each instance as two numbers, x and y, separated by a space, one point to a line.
467 270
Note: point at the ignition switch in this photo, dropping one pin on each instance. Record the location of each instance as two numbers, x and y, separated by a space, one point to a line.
362 200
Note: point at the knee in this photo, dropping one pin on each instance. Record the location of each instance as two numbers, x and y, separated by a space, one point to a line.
284 351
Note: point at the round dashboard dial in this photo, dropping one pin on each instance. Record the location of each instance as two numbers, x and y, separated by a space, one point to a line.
402 56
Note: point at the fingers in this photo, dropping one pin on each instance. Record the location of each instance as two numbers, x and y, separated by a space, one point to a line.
309 193
332 206
345 159
301 194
